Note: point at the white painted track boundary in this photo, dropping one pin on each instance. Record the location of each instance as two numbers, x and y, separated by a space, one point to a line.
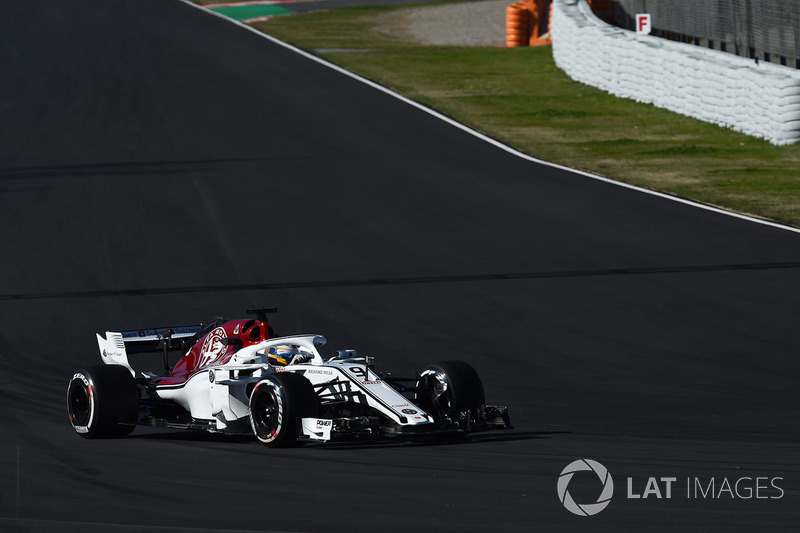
485 138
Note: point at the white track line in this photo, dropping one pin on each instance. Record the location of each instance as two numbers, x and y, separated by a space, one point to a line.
489 140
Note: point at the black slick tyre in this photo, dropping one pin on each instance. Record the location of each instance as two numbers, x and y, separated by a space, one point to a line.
277 404
102 402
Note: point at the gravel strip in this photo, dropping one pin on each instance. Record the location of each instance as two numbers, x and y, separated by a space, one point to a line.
480 23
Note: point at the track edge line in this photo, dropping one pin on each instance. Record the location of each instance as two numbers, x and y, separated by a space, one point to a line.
486 138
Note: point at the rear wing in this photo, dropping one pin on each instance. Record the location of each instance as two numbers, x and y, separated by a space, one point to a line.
116 346
149 340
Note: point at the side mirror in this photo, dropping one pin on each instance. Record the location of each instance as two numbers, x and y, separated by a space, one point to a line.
232 341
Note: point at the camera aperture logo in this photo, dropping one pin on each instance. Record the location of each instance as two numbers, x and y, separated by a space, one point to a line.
585 509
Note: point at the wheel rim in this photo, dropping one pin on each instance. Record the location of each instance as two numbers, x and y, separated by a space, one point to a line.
80 405
266 415
439 396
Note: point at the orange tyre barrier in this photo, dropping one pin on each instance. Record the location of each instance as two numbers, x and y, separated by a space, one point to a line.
517 24
527 23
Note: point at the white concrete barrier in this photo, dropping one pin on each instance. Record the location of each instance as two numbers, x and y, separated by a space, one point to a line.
761 99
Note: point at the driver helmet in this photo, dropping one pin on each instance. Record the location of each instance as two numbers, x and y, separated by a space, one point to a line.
281 355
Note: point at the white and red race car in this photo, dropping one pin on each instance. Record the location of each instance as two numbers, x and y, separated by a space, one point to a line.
236 377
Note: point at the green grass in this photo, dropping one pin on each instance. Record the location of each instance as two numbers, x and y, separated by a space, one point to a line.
519 96
251 11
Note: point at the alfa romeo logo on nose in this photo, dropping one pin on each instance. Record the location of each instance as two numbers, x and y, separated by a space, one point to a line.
585 509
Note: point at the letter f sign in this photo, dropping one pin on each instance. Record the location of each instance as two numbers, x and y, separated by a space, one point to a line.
643 23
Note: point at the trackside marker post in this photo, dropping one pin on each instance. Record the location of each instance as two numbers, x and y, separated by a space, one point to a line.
643 23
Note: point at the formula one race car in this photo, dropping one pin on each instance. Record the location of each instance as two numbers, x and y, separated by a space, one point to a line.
237 377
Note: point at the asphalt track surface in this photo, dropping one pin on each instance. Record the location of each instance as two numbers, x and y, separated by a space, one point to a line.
159 165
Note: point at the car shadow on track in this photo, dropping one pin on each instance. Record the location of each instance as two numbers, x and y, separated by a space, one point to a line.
191 436
385 442
437 440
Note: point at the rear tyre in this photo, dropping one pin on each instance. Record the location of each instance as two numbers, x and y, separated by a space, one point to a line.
102 402
449 388
277 404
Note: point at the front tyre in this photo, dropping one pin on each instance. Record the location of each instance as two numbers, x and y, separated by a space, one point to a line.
277 404
102 402
451 391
